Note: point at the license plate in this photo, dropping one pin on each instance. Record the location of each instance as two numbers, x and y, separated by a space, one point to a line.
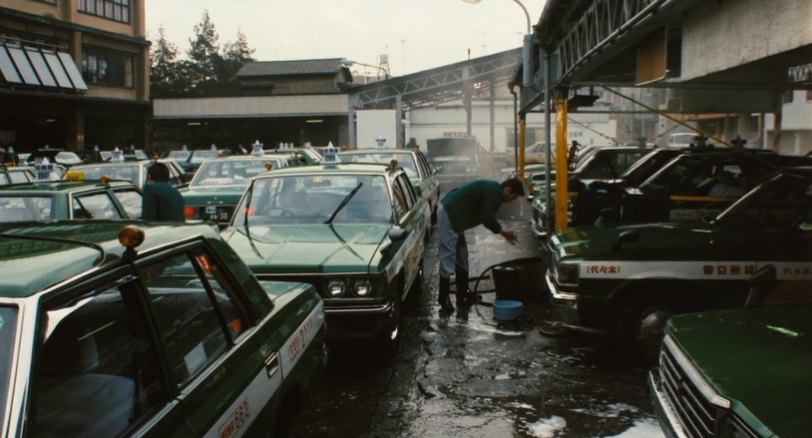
211 209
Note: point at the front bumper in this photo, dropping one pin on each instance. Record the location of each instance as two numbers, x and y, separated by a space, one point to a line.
565 303
358 322
666 415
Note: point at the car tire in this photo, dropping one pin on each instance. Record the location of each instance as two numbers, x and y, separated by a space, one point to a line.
640 328
390 337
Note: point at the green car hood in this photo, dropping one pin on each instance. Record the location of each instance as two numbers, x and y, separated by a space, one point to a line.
213 195
680 240
308 248
759 359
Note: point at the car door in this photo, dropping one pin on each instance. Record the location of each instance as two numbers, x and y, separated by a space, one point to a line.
97 370
221 355
415 222
431 186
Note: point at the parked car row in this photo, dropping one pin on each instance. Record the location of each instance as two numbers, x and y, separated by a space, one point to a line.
698 260
113 327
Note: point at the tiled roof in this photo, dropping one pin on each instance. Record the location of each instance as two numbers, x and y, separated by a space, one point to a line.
291 68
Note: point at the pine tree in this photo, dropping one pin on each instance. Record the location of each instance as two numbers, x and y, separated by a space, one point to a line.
163 73
204 54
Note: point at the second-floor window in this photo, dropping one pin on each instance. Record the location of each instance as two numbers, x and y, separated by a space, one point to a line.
102 67
116 10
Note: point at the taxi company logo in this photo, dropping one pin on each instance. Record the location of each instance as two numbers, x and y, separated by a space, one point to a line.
603 269
300 340
728 269
236 420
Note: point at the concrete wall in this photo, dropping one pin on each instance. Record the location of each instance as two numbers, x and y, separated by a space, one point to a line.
796 125
259 106
719 35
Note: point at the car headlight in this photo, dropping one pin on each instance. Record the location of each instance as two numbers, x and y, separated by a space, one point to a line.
362 288
567 274
335 288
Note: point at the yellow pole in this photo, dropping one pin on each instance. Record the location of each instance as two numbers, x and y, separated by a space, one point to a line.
520 167
561 188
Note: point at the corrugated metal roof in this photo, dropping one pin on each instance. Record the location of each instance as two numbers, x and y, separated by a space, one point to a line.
291 68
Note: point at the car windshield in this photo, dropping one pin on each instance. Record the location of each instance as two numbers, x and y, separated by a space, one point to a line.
8 328
312 199
179 155
25 208
783 202
122 172
405 160
201 156
230 172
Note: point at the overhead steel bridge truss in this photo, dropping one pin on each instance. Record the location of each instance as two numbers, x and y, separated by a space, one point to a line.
598 27
476 76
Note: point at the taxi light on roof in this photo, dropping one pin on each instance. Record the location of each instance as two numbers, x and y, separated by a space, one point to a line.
268 165
393 163
131 236
105 179
74 175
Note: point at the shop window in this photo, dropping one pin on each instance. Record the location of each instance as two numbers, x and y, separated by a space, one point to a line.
111 69
116 10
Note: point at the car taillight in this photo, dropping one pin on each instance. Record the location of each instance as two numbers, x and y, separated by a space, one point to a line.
189 212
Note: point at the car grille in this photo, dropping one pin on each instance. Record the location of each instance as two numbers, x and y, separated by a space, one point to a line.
697 414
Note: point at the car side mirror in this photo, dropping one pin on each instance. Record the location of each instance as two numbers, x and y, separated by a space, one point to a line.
624 237
397 234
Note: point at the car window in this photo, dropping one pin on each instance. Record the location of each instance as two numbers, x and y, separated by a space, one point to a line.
95 206
8 329
25 208
131 200
120 172
408 190
231 172
20 177
97 372
782 204
313 199
401 206
405 160
196 317
179 155
4 179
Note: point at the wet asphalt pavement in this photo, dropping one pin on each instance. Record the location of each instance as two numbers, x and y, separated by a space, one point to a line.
468 375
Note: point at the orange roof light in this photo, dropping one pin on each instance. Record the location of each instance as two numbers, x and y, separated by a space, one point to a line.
131 236
268 165
105 179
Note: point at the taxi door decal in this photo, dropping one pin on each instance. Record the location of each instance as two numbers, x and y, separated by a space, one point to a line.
245 408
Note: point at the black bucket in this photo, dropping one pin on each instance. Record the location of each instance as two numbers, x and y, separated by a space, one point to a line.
519 279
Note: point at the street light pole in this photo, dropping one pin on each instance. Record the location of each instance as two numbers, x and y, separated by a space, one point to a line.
527 46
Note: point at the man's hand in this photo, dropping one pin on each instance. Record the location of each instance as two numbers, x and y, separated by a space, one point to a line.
509 235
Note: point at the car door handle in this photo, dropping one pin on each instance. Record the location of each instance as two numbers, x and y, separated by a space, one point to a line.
272 364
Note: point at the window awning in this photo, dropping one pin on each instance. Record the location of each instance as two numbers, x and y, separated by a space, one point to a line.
40 68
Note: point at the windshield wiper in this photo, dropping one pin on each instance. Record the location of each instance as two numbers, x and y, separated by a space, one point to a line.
344 202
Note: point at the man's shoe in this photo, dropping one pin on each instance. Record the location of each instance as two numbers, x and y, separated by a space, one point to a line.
444 299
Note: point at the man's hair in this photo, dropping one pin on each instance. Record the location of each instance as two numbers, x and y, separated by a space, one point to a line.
515 186
158 172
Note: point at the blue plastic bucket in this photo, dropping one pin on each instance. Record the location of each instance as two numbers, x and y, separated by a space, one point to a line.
506 310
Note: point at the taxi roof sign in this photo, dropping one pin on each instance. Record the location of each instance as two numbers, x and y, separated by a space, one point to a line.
74 175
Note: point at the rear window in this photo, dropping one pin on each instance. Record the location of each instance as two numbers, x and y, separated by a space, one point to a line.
405 160
25 208
8 324
231 172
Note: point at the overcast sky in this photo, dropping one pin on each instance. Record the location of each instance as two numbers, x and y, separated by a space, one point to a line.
415 34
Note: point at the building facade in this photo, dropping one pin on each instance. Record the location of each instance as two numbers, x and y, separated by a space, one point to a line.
74 74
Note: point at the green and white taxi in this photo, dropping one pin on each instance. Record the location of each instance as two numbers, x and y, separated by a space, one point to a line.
56 200
218 185
411 160
133 171
630 279
112 330
355 231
